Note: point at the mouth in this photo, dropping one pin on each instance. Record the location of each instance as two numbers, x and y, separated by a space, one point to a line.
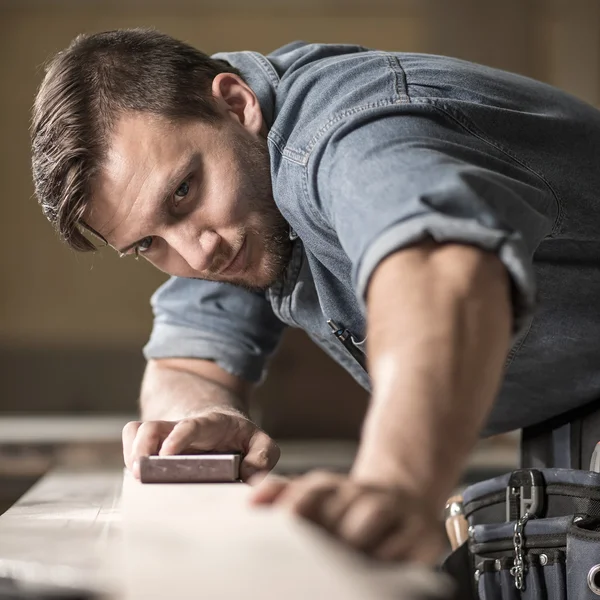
238 262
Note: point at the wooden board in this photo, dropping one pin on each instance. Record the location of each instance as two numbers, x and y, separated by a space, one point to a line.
60 531
183 541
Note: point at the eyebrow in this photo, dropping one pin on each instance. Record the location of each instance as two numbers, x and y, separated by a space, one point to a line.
169 188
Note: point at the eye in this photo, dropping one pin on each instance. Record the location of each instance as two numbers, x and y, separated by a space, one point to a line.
144 245
181 192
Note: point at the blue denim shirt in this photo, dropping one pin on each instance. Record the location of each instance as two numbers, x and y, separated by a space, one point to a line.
374 151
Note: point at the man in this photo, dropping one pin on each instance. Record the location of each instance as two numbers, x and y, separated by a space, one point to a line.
406 201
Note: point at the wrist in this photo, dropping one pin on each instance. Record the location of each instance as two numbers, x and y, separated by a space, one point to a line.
412 458
379 467
390 475
179 413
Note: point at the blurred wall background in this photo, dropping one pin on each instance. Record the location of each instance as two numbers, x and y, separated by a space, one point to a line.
72 326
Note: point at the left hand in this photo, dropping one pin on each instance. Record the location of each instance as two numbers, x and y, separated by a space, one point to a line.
380 520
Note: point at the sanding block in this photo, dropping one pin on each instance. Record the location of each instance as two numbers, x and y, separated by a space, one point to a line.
190 468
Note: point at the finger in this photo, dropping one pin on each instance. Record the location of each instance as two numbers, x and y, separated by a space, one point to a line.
333 511
268 491
262 455
310 502
148 439
370 517
180 437
305 495
128 435
201 433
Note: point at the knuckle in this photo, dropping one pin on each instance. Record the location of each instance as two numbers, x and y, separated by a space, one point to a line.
131 427
220 417
148 427
221 423
262 456
150 430
188 423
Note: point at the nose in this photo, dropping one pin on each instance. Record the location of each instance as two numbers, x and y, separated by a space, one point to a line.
198 250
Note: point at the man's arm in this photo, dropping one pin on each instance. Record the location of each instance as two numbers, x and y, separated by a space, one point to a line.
439 323
203 332
191 405
177 388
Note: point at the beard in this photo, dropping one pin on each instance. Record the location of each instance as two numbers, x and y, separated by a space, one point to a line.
265 223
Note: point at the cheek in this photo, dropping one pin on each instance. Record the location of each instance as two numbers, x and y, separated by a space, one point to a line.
227 199
172 263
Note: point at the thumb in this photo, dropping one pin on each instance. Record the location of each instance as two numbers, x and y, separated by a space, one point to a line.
262 455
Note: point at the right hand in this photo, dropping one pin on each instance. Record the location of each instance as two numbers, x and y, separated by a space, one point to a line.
217 429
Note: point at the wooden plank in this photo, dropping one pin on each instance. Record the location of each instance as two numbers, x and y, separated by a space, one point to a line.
213 542
183 541
59 532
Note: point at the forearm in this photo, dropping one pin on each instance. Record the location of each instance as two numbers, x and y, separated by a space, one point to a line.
173 393
439 327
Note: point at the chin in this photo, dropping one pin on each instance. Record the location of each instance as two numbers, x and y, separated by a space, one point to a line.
253 285
256 280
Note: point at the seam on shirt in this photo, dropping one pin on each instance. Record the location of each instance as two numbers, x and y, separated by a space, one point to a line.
265 66
302 155
338 117
290 281
515 348
277 140
317 215
293 156
461 119
399 79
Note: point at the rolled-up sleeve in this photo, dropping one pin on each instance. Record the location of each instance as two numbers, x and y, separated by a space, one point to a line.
392 182
235 328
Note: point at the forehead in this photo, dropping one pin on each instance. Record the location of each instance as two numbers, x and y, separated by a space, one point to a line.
138 141
142 151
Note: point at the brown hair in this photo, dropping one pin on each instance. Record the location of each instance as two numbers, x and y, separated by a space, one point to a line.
86 88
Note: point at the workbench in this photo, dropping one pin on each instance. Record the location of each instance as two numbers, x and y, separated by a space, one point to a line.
101 530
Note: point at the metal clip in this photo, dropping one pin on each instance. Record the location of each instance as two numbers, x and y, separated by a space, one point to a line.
530 502
524 494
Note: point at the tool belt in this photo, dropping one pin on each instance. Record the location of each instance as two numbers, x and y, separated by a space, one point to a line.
534 533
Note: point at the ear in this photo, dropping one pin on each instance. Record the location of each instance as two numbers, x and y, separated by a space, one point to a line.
238 100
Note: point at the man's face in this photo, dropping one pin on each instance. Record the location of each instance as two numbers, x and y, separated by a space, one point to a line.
194 199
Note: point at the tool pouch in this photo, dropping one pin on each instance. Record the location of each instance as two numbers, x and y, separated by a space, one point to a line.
533 534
